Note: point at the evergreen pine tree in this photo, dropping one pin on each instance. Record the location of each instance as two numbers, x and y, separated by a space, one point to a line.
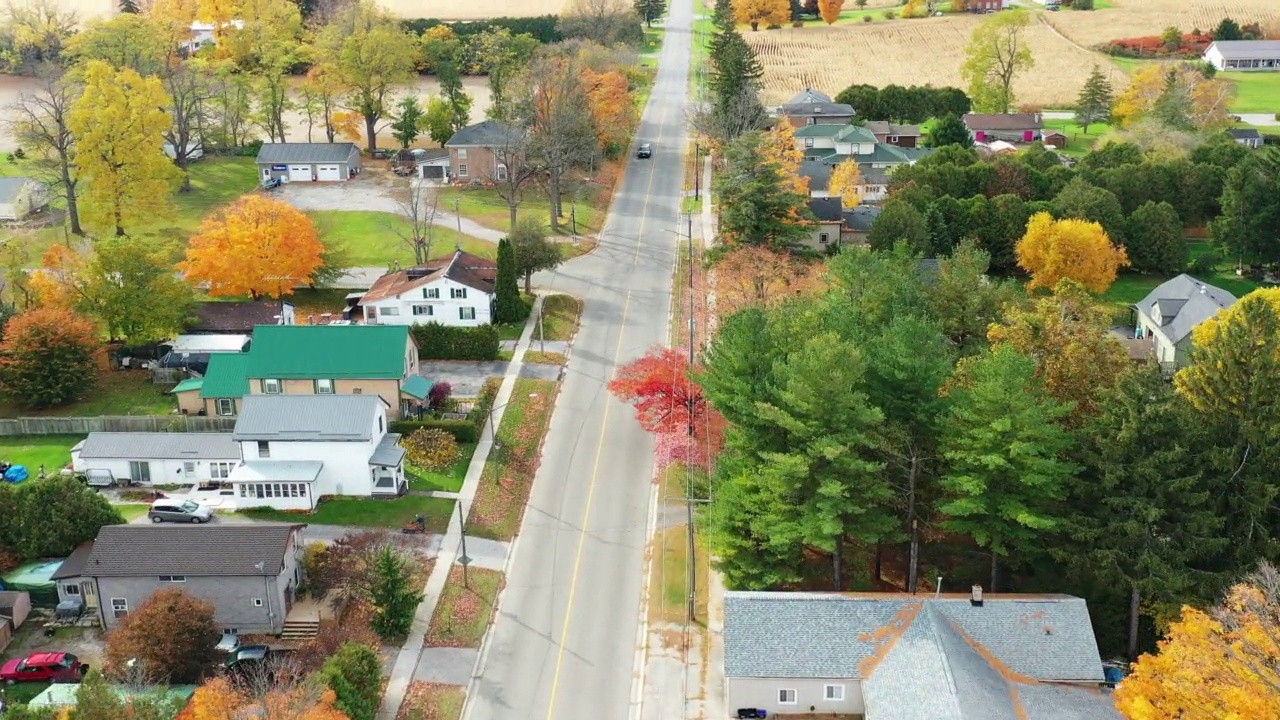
1094 104
509 307
1154 239
394 599
650 10
355 677
129 7
940 240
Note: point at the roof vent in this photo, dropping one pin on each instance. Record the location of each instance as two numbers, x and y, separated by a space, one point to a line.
416 273
976 598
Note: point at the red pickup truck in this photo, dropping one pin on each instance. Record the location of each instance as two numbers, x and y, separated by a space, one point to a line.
44 666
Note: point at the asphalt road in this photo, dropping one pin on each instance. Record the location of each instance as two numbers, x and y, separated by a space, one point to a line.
564 643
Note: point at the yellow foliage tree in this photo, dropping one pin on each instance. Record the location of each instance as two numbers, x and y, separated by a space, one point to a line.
1176 94
755 12
52 285
1217 665
218 699
1053 250
755 276
780 147
830 10
220 13
347 124
846 184
914 9
119 124
255 246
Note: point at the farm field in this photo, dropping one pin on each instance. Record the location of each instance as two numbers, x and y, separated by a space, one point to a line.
1134 18
883 53
473 10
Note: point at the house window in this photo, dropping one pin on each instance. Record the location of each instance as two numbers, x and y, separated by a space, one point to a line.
808 142
502 172
140 471
270 386
892 139
188 468
833 693
379 423
357 391
264 449
119 607
462 169
823 238
390 311
70 589
422 310
458 293
786 696
257 602
431 293
220 470
467 313
226 406
810 121
173 578
462 153
324 386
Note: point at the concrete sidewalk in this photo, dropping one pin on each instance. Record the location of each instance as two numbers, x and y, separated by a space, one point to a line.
402 672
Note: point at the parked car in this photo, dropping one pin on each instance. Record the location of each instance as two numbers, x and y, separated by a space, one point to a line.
272 183
179 510
646 150
258 662
44 667
229 643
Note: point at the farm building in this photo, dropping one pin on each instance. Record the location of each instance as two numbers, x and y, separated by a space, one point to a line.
1244 54
1013 127
1247 137
21 196
308 162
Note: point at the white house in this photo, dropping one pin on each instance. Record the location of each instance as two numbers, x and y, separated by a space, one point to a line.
892 656
295 449
1244 54
21 196
1168 315
158 458
457 290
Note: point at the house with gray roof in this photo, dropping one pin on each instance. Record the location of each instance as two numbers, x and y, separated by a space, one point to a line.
1248 137
913 657
1244 54
1169 314
250 573
309 162
158 458
295 449
22 196
830 145
483 151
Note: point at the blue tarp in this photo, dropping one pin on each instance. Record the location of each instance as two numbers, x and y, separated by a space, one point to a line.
16 474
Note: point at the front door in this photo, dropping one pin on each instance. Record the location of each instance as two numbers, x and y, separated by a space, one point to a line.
90 597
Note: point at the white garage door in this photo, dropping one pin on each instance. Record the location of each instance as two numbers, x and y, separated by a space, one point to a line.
299 173
330 172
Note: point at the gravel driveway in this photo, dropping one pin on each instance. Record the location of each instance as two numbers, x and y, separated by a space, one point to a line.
365 193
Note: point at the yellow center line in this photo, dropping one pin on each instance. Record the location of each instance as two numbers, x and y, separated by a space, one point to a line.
604 424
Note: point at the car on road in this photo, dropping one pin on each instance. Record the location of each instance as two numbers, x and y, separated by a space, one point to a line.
646 150
179 510
44 667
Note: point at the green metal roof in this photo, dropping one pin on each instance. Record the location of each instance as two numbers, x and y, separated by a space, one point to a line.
366 352
417 386
225 377
815 131
818 153
188 384
855 133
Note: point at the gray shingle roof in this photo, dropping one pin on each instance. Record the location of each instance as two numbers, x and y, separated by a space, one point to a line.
860 218
306 417
1245 134
284 153
482 134
820 635
388 453
195 550
1184 302
9 187
884 127
159 446
818 172
809 95
826 209
73 566
818 109
1003 121
1248 49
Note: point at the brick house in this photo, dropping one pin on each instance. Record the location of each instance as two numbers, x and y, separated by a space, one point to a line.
894 134
481 151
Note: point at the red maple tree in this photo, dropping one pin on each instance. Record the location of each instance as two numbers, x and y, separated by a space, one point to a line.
658 385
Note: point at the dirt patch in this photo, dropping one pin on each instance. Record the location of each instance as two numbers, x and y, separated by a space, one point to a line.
432 701
87 643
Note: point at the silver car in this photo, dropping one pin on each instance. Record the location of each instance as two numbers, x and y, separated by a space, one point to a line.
178 510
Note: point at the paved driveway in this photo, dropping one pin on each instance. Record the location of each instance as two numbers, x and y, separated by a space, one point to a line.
366 193
466 378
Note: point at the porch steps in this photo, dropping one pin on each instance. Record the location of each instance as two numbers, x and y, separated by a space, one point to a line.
300 629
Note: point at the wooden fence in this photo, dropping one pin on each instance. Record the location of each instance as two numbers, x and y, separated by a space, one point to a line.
114 423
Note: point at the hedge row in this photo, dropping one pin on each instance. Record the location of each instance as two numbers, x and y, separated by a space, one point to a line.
543 27
464 431
441 342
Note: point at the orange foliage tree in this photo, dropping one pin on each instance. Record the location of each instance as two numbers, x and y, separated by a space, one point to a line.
54 285
830 10
754 276
1205 101
780 147
846 184
769 12
218 699
255 246
612 107
1052 250
1220 665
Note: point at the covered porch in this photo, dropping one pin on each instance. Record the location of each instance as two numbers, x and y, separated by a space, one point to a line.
279 484
386 467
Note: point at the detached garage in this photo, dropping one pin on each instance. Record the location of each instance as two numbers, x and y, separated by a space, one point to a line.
309 162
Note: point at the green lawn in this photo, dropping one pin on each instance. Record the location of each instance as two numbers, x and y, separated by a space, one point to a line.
464 612
1078 142
486 208
508 475
368 237
449 480
52 451
117 393
653 40
513 330
367 512
23 693
130 511
1256 92
559 318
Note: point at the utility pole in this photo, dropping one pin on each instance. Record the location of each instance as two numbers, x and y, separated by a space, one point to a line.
542 337
464 560
697 174
692 562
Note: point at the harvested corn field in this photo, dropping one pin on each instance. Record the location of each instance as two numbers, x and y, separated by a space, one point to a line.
1136 18
910 52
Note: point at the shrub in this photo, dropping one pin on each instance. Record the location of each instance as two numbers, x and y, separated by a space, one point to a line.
439 395
1082 5
48 357
797 23
866 18
440 342
172 635
354 674
464 431
20 154
890 14
773 26
431 448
